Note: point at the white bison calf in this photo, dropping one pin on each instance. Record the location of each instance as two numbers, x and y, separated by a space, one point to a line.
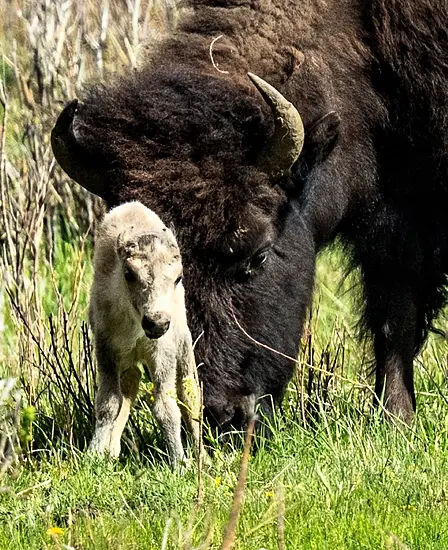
137 313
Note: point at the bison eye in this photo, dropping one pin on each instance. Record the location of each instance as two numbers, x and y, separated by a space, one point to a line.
178 280
256 261
130 276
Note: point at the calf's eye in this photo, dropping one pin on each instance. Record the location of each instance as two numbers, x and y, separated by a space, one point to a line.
178 280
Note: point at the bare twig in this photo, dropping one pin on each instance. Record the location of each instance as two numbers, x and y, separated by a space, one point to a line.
296 360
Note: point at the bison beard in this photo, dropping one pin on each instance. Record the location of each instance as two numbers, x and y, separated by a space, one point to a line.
370 82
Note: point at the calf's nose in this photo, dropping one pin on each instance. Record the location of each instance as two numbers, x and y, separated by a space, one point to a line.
155 326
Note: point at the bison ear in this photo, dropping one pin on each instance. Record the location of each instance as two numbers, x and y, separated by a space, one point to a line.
320 141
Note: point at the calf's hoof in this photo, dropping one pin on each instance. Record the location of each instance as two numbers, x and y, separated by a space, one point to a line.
99 448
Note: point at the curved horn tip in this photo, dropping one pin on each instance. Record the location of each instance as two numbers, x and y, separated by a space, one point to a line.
66 117
76 162
266 89
287 141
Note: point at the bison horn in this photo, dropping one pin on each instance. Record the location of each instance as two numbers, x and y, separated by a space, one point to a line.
285 145
73 158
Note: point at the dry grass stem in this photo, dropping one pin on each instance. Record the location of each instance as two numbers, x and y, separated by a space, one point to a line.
231 526
280 496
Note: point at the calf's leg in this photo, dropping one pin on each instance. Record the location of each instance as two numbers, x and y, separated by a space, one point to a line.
129 383
108 404
168 416
115 397
165 407
117 390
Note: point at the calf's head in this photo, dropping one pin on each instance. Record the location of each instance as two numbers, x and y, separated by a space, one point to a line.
151 272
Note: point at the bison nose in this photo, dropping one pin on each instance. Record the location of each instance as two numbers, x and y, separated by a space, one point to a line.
155 327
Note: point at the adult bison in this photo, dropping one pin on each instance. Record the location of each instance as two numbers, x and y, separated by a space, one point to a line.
190 136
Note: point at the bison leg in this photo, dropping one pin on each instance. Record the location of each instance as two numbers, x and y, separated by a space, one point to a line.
392 316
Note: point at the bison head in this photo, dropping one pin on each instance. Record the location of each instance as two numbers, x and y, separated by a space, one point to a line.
218 159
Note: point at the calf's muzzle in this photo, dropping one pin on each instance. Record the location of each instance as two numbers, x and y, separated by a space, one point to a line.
155 326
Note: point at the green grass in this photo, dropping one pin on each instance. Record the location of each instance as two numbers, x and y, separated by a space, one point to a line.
349 483
349 479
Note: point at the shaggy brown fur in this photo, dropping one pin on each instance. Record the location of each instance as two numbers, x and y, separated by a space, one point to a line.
370 82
